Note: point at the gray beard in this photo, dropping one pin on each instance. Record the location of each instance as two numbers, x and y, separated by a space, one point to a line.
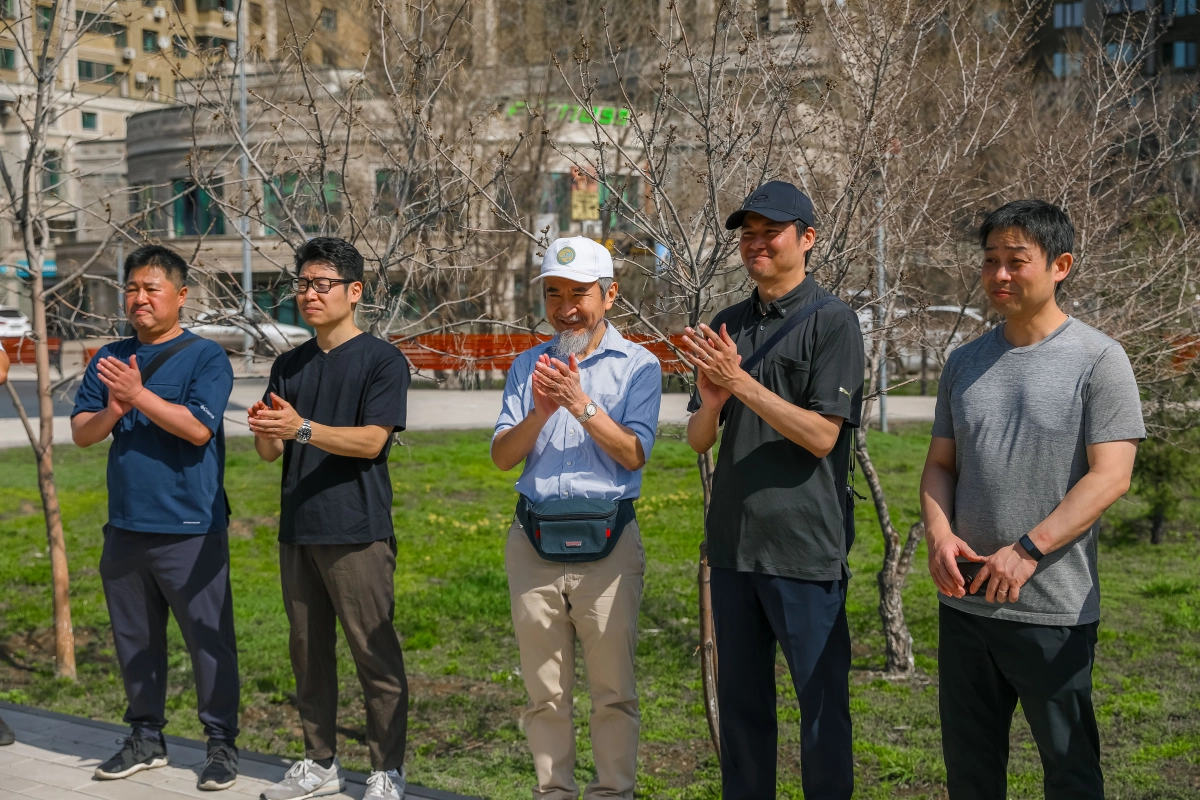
568 343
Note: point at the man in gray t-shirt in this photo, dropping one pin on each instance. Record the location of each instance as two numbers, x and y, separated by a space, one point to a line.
1034 436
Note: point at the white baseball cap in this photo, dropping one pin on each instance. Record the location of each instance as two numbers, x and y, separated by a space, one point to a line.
577 258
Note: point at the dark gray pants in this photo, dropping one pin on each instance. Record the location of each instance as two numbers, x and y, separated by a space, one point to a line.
148 575
984 666
351 583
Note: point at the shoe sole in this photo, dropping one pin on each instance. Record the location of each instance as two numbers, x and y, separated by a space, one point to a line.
116 776
212 786
318 792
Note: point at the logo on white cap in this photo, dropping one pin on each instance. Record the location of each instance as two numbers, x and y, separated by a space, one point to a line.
578 259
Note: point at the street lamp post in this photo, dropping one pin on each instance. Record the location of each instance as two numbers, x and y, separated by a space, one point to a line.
244 169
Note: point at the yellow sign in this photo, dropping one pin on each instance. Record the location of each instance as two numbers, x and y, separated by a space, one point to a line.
585 204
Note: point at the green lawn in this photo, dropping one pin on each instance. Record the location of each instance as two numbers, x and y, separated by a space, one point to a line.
452 509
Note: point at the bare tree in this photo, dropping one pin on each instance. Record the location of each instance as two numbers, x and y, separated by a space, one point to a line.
34 196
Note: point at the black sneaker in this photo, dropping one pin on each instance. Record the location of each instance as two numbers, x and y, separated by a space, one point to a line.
6 734
221 769
138 752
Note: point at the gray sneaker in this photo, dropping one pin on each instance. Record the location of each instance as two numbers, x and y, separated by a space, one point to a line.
386 785
307 779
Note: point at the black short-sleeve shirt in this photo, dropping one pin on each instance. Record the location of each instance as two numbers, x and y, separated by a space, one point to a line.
326 498
777 508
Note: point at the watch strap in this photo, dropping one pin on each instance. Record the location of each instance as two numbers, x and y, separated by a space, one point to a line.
589 411
1031 548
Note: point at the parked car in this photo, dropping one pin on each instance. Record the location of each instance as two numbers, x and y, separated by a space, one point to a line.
13 322
228 328
939 330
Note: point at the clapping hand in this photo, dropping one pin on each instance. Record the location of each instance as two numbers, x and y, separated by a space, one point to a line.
124 382
277 421
560 383
717 362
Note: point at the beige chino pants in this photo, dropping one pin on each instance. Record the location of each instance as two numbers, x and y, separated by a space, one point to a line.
598 601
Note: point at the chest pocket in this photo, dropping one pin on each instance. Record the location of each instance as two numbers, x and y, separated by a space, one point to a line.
788 378
171 392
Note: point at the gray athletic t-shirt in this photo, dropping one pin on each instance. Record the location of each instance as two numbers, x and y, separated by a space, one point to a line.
1021 419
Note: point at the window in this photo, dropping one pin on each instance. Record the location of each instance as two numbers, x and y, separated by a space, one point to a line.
181 48
214 5
1180 8
8 9
196 212
8 58
120 36
1180 55
1067 64
52 172
306 200
256 17
181 6
94 71
45 18
1124 6
1119 51
90 120
141 205
1068 15
328 19
214 46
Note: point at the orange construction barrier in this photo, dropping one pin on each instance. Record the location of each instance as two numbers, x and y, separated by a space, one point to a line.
450 352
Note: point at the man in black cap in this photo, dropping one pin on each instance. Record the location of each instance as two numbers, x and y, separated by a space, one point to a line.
782 371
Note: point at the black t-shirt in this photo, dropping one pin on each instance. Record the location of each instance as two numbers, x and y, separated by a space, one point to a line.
776 508
325 498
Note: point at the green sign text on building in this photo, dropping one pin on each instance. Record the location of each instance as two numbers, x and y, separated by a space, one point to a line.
564 112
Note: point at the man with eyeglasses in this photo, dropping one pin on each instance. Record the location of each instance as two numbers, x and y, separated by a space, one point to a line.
330 410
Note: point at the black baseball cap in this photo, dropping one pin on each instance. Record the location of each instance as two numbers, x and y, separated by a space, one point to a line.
775 200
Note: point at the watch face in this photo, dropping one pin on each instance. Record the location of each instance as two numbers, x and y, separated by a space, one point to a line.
591 409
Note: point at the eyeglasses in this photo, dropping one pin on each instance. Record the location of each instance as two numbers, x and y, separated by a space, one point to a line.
322 285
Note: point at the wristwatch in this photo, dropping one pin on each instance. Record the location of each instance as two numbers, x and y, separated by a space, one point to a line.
305 433
1031 548
589 411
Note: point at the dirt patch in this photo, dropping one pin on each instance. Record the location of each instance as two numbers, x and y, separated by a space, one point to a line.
29 652
244 527
25 508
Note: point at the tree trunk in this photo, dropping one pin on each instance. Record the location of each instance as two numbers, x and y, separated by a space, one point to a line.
64 636
897 560
1158 526
708 638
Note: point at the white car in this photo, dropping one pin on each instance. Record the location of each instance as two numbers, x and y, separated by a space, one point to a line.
228 328
13 322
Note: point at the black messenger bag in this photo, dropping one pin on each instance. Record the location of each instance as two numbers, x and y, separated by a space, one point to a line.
574 530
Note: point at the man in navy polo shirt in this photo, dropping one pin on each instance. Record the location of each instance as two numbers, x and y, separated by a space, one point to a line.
162 395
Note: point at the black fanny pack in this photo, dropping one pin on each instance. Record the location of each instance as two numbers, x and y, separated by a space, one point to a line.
574 530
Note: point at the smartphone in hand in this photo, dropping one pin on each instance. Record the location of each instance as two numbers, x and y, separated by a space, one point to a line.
970 570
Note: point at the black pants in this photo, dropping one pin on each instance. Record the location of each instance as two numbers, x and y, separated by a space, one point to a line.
808 619
354 584
984 666
147 574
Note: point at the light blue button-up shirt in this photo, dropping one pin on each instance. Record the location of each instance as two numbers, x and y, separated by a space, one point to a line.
621 377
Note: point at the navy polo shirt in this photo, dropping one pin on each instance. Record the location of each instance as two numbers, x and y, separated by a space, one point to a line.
158 482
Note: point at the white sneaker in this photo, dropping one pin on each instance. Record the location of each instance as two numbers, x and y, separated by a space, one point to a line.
307 779
386 785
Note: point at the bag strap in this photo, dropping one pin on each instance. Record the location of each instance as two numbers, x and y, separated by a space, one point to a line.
787 327
165 356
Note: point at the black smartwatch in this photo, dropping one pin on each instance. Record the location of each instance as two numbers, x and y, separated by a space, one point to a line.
1031 548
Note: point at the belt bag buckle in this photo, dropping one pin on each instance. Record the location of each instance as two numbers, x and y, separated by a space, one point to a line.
574 530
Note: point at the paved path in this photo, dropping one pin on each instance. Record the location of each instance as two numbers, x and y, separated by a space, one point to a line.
428 409
55 755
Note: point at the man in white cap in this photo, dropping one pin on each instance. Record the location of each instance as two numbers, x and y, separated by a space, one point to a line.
581 410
